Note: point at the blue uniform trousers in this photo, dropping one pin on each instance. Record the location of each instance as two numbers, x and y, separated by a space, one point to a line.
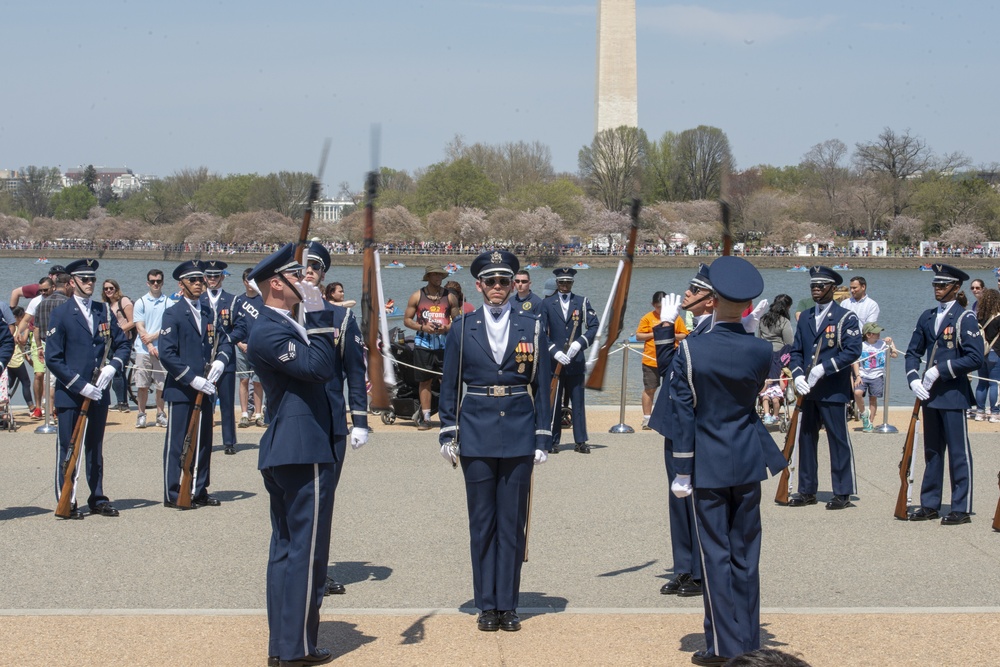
93 450
301 511
946 430
497 495
683 537
574 385
177 426
729 540
226 388
834 417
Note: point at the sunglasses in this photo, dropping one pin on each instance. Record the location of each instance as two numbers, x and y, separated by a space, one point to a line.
196 280
694 289
109 288
296 273
315 266
521 282
155 282
44 290
86 279
492 282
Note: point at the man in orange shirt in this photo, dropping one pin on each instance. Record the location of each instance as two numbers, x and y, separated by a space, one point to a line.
650 375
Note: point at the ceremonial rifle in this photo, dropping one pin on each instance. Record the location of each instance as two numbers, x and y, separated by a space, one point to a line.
370 303
620 302
557 371
187 451
781 495
905 463
727 234
65 504
303 241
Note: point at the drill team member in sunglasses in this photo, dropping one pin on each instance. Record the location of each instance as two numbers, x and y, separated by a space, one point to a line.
500 430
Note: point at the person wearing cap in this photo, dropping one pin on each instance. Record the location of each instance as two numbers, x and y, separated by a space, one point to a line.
827 343
697 306
246 309
298 457
549 288
947 337
498 432
85 347
721 453
30 291
524 298
571 326
868 373
350 366
430 312
222 303
194 350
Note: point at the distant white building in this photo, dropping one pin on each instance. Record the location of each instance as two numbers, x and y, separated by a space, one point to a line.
331 210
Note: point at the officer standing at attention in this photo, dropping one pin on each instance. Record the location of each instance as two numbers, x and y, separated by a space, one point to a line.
499 353
571 326
298 452
82 336
950 338
350 366
827 342
524 298
189 337
721 454
221 302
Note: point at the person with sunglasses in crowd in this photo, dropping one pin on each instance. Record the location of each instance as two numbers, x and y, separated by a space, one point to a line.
85 348
148 317
190 335
524 298
122 308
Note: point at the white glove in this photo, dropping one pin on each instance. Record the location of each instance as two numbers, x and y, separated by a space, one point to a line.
930 377
448 452
312 297
359 437
815 374
573 349
540 457
681 486
91 392
918 390
802 385
561 357
215 371
203 385
104 379
670 307
590 365
750 321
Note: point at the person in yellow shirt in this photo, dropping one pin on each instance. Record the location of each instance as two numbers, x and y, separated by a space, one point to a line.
650 376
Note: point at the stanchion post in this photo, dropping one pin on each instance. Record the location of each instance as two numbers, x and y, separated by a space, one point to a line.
46 426
621 426
886 427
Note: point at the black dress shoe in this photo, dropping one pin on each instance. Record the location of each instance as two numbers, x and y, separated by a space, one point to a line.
509 621
922 514
706 658
74 513
205 500
839 502
554 450
802 499
582 447
175 506
489 620
955 518
230 450
689 588
334 587
273 661
320 657
674 585
104 509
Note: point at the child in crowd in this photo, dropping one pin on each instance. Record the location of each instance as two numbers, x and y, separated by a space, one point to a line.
869 372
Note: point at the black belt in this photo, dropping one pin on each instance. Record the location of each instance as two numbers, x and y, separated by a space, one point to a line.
499 390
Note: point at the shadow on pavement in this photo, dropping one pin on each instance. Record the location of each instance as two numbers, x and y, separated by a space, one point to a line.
626 570
341 637
22 512
353 572
133 503
416 632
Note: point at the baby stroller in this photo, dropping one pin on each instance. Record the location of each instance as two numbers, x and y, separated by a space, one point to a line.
404 399
7 422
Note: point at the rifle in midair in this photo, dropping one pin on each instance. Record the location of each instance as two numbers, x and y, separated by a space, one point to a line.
370 301
303 240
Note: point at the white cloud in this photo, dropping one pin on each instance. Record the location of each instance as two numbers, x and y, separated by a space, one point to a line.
737 27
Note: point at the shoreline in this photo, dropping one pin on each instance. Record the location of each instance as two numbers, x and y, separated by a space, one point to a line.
595 261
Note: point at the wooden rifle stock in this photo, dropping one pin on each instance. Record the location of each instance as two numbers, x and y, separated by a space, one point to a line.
727 229
370 303
65 504
904 463
996 515
187 454
781 495
554 386
303 240
619 304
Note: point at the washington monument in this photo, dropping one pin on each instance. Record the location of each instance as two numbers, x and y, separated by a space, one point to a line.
616 100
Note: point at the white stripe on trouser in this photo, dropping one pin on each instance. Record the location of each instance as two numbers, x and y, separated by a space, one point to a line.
704 580
166 451
312 559
197 449
850 449
968 462
80 460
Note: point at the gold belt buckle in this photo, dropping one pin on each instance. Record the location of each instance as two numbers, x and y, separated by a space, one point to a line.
498 390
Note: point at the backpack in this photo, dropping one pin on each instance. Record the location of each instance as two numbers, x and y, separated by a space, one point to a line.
988 345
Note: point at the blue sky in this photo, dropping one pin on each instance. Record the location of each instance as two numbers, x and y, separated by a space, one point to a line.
248 86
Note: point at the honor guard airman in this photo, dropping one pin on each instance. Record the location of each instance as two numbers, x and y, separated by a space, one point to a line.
498 430
949 337
298 452
524 298
84 349
571 326
721 453
222 302
194 351
827 342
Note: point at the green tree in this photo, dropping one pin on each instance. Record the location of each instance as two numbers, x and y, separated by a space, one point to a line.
661 179
944 201
90 179
561 196
225 196
73 203
286 192
703 155
458 183
611 165
156 204
36 190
